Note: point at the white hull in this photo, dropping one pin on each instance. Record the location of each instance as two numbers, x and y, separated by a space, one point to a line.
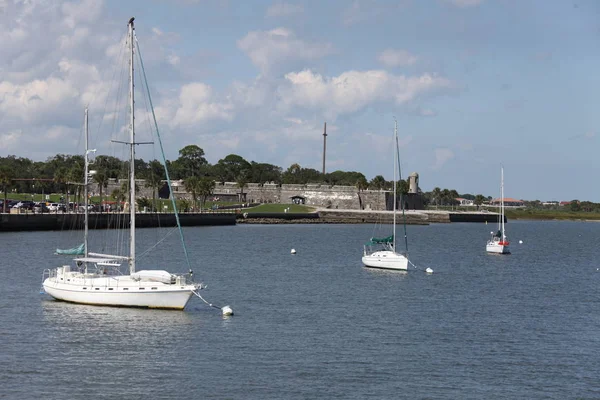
386 259
497 248
118 291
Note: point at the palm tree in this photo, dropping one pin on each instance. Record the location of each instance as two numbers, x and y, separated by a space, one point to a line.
101 178
60 176
445 196
377 183
154 182
191 186
437 195
206 186
119 196
242 182
362 184
479 199
6 177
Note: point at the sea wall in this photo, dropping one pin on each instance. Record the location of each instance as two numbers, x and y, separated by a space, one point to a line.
50 222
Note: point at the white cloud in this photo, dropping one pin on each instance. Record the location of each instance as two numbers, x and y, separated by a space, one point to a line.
81 13
281 9
268 48
397 58
194 104
354 90
10 140
442 156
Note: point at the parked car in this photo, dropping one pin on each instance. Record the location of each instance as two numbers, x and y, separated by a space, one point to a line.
24 204
55 207
40 208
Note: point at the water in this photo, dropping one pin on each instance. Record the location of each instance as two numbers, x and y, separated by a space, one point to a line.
317 324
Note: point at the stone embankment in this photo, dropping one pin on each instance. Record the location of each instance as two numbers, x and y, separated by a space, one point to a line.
327 216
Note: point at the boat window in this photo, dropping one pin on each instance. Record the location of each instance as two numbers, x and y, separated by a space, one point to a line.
153 288
125 288
84 288
110 288
142 288
97 288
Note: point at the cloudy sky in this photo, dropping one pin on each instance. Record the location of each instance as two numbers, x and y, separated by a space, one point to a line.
473 84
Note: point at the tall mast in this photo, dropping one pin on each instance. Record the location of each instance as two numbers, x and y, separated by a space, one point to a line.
131 157
502 198
395 157
85 188
324 145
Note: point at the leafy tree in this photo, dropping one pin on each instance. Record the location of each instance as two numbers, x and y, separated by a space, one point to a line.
262 173
6 177
232 166
191 185
154 178
479 199
574 205
191 162
362 184
242 182
206 187
377 183
101 179
402 187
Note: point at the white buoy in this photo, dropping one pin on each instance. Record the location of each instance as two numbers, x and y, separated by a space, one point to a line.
429 271
227 311
520 242
293 251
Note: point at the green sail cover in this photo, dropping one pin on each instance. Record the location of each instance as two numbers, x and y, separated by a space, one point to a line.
385 240
75 251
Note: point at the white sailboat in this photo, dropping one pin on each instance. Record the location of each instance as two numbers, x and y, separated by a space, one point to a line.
381 252
96 278
498 243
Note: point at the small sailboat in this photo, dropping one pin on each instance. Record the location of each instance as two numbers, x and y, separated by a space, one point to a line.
381 252
96 278
498 243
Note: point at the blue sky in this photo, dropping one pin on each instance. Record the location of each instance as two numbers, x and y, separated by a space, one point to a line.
472 83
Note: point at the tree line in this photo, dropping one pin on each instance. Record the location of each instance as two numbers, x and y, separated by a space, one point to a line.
64 173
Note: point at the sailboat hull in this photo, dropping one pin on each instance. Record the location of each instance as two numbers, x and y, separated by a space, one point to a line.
497 248
386 260
133 294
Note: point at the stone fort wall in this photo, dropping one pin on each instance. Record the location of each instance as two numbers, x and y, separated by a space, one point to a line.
318 195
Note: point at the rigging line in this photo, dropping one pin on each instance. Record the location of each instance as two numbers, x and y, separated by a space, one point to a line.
110 88
209 304
403 211
169 233
187 259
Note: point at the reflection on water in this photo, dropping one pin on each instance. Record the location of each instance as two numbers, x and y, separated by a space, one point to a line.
115 319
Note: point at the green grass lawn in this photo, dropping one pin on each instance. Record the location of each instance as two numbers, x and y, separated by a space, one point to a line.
279 208
529 213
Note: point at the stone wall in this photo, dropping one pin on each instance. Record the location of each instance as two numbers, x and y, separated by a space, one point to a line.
318 195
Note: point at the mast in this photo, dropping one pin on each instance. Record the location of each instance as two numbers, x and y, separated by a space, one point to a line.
324 145
502 200
132 156
395 156
85 188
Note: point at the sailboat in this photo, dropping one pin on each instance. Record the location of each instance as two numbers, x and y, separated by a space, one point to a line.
498 243
96 278
381 252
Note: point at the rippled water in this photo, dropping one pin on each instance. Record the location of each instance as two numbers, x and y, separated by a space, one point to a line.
317 324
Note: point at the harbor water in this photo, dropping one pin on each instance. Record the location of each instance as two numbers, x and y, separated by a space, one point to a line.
317 324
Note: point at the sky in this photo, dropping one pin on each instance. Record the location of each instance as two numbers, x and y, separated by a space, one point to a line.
473 84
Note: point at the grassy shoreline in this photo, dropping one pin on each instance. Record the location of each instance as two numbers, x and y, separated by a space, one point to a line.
551 215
